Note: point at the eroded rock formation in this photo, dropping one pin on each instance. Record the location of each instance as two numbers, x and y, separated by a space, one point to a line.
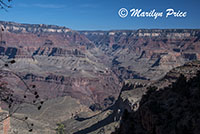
170 105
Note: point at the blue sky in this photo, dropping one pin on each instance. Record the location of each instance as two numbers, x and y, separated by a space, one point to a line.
101 14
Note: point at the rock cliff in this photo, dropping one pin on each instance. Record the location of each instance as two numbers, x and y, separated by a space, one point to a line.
147 53
58 58
170 105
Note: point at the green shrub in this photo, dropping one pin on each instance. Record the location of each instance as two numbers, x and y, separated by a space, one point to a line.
60 128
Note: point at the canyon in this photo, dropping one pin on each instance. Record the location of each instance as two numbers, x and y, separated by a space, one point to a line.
89 78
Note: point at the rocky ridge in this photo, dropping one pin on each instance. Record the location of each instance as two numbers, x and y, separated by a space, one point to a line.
154 51
170 105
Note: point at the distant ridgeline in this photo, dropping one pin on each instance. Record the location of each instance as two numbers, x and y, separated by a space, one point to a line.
167 33
32 28
25 40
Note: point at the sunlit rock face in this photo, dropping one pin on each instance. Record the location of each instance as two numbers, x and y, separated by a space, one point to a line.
59 61
147 53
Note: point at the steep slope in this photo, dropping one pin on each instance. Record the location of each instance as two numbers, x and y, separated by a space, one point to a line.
59 61
170 105
147 53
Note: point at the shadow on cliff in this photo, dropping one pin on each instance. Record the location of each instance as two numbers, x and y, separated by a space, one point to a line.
115 116
113 107
173 109
98 125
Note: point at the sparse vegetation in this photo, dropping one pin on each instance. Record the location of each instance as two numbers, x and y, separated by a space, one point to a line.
60 128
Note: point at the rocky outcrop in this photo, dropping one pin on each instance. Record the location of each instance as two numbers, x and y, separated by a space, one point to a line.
170 105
